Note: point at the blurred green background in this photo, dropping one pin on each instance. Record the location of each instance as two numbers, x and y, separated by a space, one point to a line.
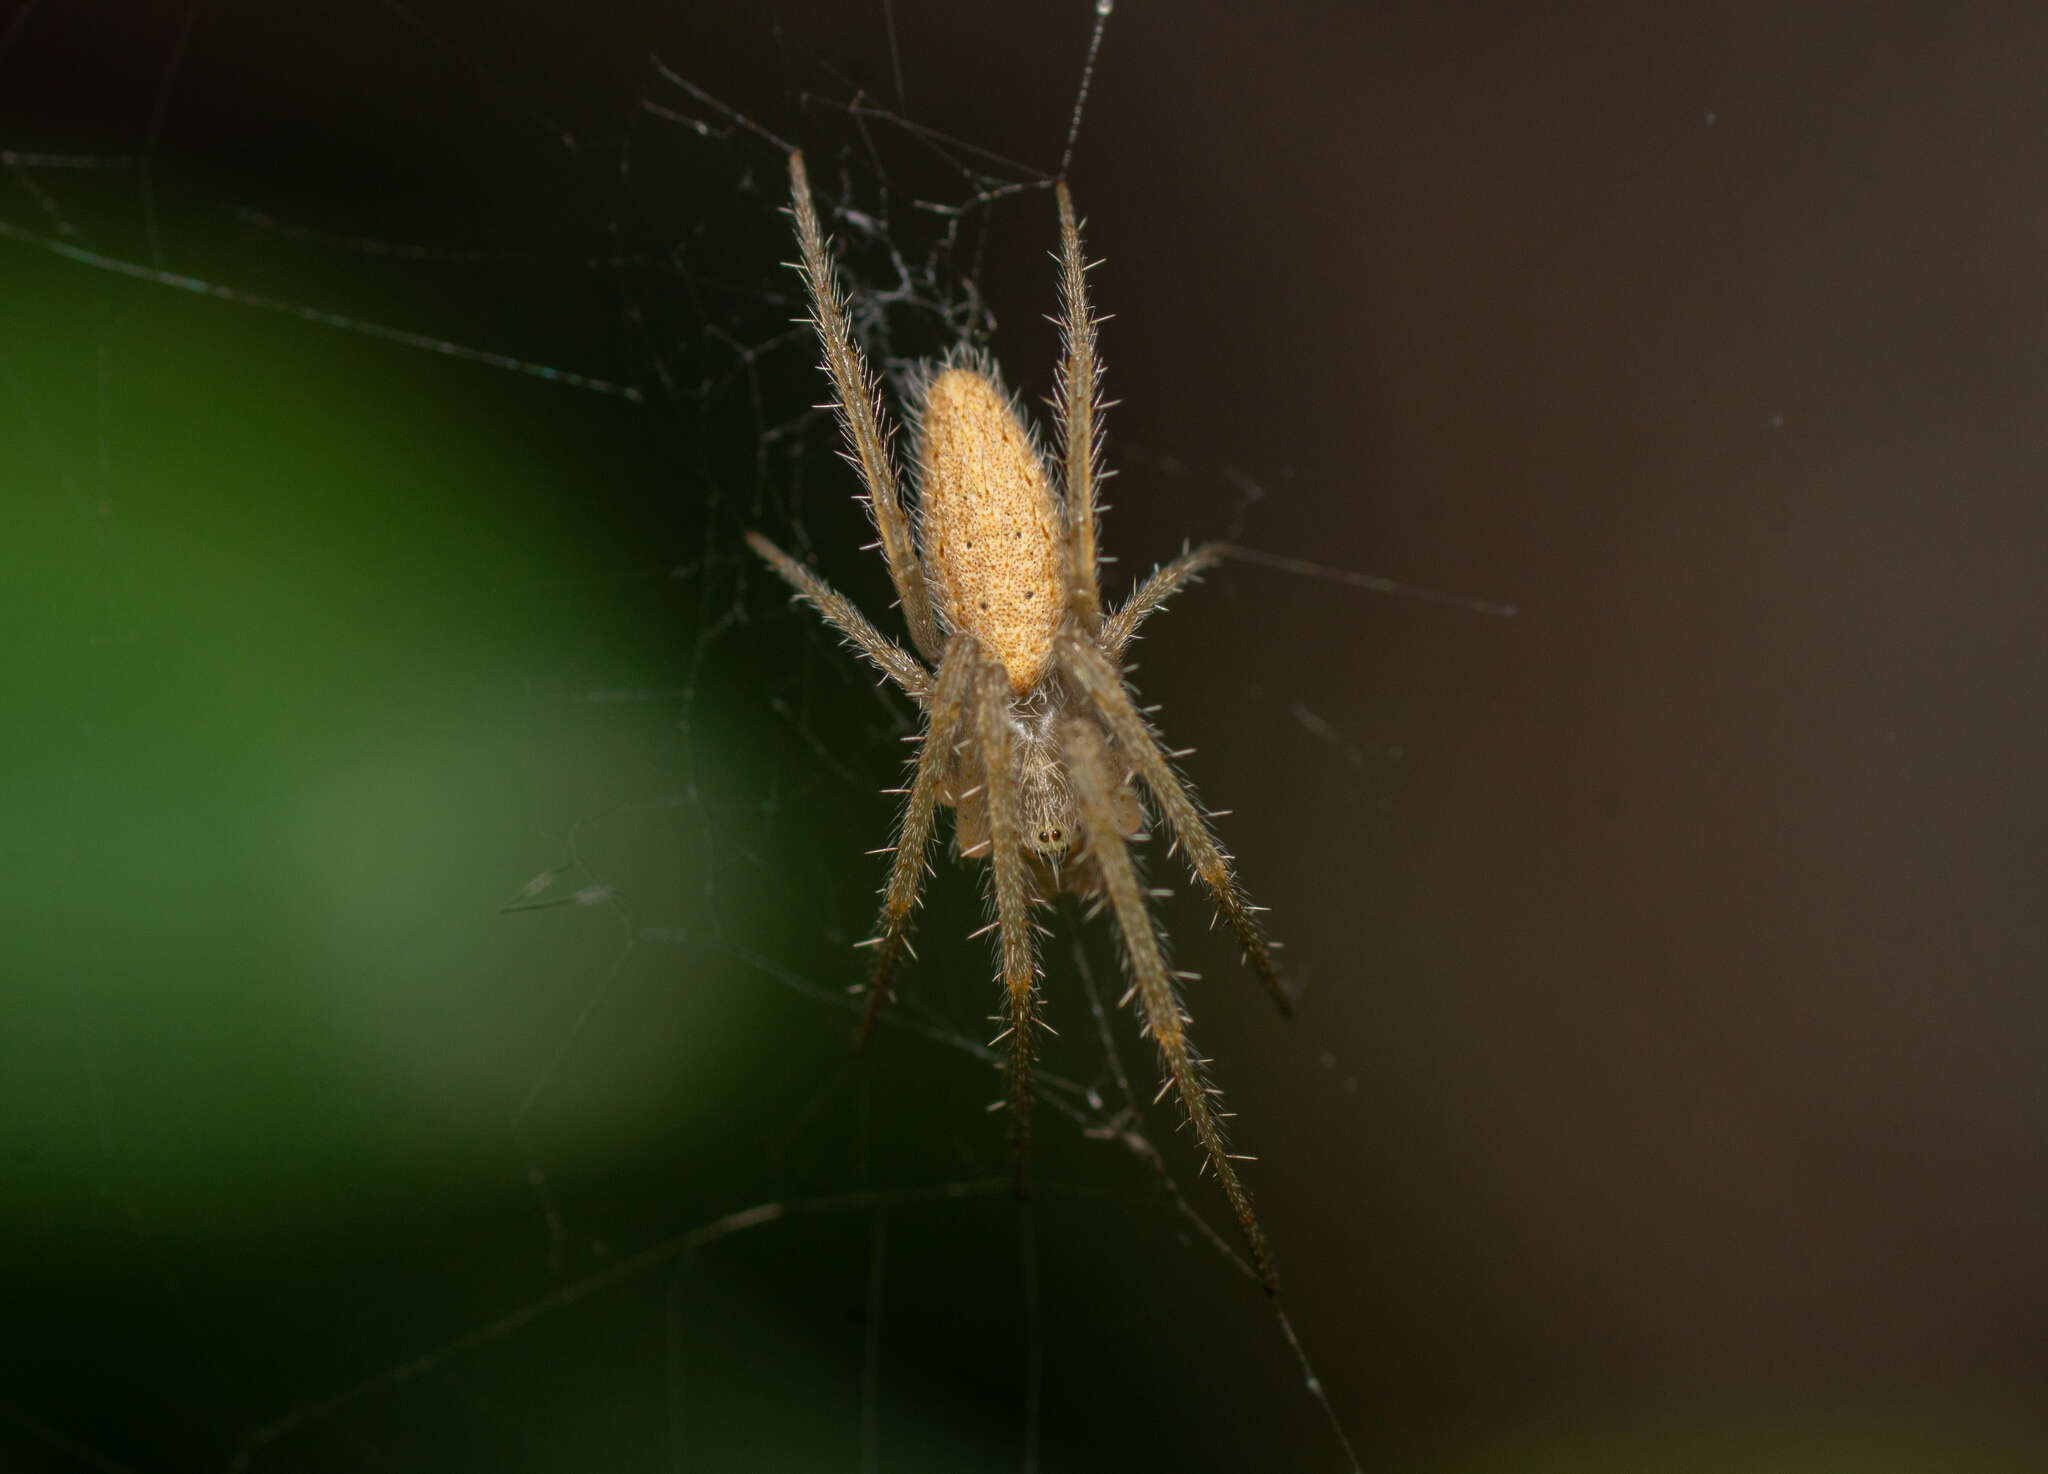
437 852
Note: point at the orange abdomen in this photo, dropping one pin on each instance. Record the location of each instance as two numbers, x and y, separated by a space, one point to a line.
989 524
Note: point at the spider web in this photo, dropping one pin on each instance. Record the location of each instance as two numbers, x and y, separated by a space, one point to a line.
439 848
472 1087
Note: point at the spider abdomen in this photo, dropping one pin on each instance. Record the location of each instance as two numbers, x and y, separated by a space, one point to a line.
989 526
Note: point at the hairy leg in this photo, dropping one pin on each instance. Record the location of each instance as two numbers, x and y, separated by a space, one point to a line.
1088 760
888 657
860 415
1167 580
1099 677
1011 892
1078 401
906 873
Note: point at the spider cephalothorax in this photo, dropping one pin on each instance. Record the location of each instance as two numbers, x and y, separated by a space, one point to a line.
1031 733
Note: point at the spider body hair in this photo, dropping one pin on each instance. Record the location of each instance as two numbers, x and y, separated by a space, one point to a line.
1032 734
990 529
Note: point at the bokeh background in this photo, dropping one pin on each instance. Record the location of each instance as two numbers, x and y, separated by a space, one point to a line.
1667 1089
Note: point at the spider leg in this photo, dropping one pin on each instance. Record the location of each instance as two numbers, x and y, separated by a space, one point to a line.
1099 677
1079 404
888 657
1012 898
860 417
1166 581
1088 760
906 873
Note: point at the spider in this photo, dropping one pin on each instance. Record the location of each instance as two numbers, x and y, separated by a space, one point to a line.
1031 732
